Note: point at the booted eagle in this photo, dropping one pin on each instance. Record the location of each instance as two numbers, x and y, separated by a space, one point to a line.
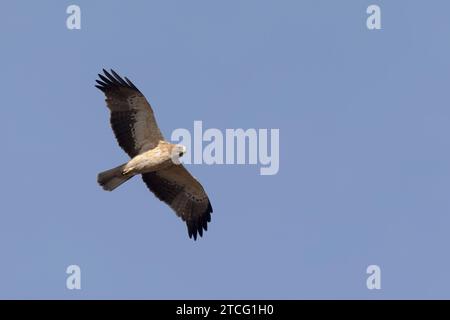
155 159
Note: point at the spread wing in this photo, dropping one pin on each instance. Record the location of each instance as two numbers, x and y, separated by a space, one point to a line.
184 194
132 118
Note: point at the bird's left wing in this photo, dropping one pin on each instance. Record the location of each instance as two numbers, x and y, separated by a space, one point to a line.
132 118
184 194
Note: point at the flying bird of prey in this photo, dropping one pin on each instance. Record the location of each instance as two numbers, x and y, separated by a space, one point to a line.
157 160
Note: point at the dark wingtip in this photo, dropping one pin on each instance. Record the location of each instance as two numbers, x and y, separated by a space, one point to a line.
197 226
100 87
110 82
119 78
131 84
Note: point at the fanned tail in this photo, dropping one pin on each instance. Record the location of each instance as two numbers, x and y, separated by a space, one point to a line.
111 179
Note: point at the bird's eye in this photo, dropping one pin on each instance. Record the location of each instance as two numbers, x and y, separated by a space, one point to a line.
181 154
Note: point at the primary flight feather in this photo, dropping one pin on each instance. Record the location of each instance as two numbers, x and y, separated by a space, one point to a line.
137 132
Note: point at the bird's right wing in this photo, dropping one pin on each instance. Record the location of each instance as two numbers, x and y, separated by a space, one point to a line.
184 194
132 118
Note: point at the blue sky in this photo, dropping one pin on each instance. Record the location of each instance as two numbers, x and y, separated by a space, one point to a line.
364 149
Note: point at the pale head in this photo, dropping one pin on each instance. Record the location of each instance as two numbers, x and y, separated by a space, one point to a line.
178 151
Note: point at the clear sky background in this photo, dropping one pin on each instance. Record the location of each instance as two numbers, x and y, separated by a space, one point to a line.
364 119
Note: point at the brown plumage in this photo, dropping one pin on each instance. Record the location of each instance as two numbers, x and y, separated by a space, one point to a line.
135 128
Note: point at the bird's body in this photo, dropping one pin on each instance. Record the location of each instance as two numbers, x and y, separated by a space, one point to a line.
160 157
163 156
157 160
